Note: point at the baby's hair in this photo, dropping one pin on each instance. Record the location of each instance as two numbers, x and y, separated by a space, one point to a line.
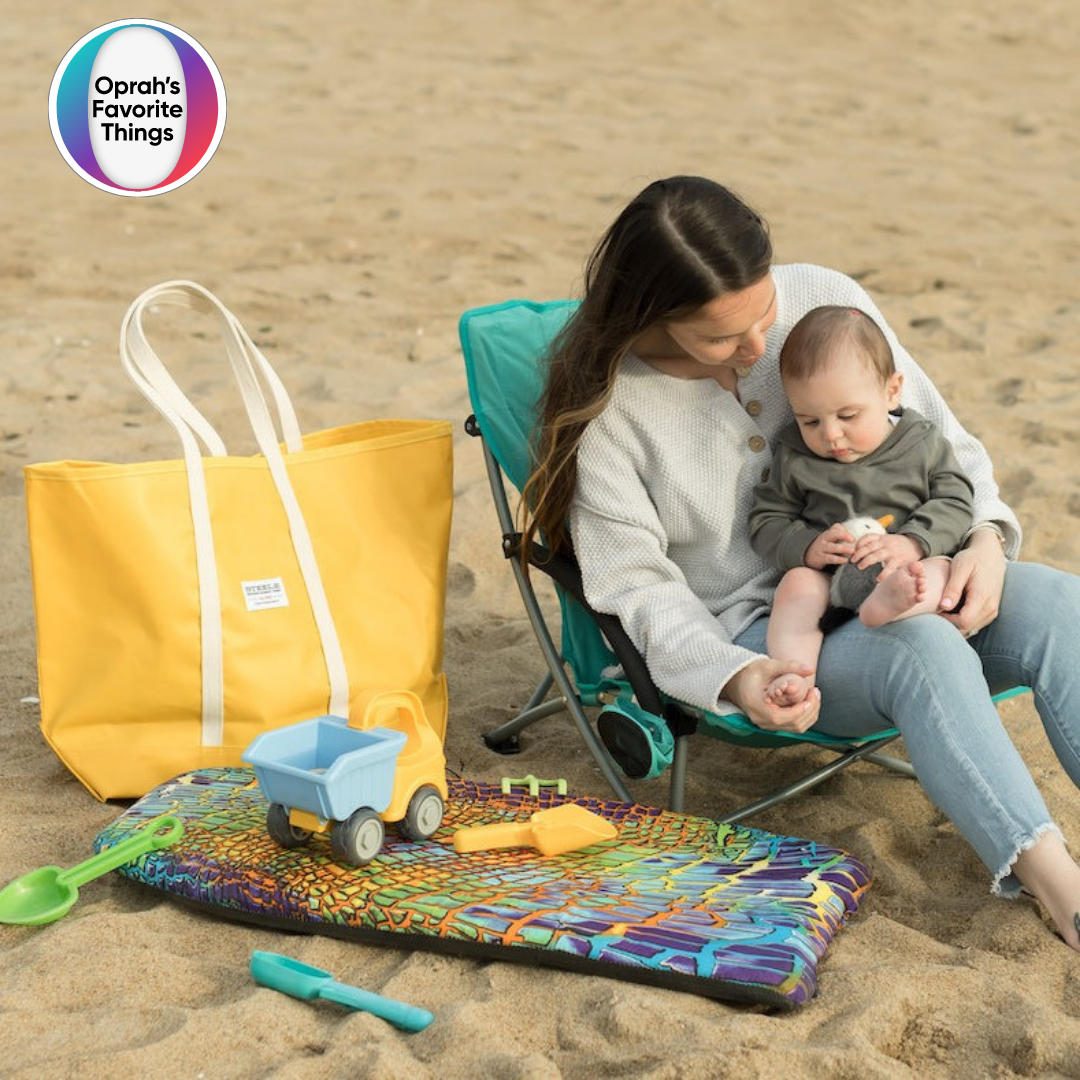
809 347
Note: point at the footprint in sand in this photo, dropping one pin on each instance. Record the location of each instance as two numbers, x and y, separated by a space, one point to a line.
1007 392
1014 486
460 580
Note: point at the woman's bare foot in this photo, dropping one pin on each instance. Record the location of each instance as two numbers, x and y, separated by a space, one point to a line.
895 596
1048 871
789 689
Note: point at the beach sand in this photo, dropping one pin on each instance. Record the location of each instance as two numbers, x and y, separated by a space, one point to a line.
383 168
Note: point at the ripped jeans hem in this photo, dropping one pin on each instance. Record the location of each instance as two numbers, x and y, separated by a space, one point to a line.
1006 884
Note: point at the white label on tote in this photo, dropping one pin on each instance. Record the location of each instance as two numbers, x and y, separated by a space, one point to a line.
268 593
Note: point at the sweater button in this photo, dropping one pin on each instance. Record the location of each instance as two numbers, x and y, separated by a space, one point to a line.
753 408
742 370
756 443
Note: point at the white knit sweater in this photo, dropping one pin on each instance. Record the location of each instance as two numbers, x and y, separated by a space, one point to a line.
665 481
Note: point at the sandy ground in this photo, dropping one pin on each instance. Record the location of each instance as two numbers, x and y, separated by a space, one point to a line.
386 166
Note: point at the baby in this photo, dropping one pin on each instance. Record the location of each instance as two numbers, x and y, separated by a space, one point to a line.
852 452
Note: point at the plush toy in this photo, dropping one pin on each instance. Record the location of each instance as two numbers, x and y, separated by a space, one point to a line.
851 586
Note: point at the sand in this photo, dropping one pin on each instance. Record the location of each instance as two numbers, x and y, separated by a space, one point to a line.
386 166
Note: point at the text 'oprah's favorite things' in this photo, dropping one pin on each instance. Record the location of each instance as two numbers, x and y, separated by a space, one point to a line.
137 108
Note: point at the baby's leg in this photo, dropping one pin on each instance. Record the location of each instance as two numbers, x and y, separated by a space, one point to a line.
801 599
915 589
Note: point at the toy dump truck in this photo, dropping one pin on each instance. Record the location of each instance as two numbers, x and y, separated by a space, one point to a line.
327 775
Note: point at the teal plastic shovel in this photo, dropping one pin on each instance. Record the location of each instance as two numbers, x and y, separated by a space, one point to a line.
48 893
307 983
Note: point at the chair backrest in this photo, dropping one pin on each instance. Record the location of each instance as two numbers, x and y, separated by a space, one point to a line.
504 347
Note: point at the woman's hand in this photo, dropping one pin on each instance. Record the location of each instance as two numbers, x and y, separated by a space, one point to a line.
747 690
976 579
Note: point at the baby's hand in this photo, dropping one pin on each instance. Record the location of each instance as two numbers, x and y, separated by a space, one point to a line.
788 689
892 550
831 548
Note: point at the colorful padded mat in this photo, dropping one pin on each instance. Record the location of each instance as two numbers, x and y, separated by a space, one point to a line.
677 901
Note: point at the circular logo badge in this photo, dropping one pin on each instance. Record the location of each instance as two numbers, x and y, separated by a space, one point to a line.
137 107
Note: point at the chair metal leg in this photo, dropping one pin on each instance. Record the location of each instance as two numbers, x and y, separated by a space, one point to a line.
846 758
541 692
678 773
524 719
556 668
536 708
895 765
562 681
569 699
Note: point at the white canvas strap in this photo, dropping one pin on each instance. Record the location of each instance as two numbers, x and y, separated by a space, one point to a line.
248 366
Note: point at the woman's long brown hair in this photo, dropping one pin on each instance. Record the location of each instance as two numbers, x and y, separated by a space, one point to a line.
678 245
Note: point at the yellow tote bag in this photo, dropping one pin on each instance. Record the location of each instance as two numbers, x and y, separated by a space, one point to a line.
183 607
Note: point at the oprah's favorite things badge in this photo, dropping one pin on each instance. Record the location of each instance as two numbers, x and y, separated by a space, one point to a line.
137 107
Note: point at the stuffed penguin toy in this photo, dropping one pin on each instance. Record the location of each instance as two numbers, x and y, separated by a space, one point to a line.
851 586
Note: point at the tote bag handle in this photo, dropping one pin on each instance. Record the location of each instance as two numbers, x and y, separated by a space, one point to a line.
248 364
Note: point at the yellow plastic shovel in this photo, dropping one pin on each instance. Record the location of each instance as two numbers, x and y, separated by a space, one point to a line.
551 832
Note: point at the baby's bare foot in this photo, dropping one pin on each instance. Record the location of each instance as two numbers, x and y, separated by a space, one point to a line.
787 690
895 596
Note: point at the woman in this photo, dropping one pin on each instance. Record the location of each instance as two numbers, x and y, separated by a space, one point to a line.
662 401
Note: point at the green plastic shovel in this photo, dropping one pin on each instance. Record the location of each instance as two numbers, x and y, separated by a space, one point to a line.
47 894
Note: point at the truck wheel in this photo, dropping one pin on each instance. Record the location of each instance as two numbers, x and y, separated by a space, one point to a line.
280 828
357 840
424 815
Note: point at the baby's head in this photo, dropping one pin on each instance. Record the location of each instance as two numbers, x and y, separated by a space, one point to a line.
819 336
840 378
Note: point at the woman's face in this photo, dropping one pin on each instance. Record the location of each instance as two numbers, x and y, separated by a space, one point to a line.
729 331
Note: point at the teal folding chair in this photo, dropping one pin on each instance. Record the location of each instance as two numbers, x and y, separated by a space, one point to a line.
596 665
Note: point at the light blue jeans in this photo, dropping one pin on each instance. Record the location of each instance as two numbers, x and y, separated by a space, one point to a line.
922 677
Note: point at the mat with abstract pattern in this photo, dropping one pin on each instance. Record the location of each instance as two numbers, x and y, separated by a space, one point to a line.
677 901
